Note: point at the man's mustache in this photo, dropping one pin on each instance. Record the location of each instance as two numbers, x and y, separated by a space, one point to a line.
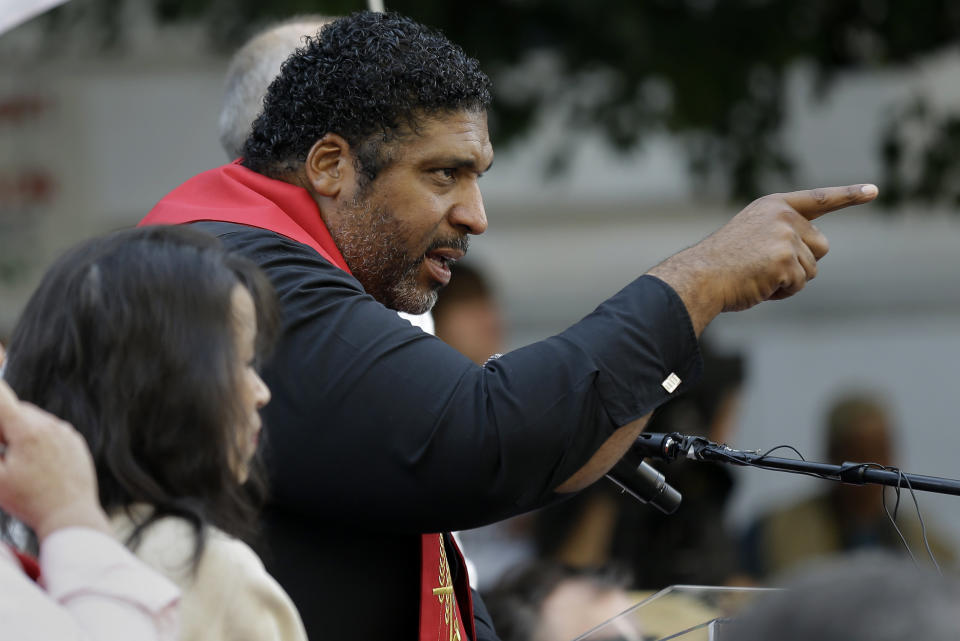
461 243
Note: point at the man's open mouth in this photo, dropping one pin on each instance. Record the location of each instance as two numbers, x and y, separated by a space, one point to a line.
439 262
445 256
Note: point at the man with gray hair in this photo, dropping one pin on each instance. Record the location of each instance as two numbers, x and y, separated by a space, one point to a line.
251 71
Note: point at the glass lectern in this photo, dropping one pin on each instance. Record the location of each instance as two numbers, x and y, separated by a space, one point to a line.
683 612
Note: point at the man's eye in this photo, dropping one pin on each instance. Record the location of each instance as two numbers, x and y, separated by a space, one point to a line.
447 173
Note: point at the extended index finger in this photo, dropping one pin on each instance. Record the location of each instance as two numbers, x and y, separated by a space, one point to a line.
813 203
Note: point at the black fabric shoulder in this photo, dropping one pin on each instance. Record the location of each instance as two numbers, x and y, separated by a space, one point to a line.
264 246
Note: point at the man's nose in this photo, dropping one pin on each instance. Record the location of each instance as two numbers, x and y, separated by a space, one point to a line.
468 214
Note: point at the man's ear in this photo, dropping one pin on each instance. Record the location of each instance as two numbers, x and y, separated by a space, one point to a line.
329 165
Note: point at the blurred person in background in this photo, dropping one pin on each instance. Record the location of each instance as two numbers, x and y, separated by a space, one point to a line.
148 341
467 315
547 601
866 597
842 517
604 525
86 586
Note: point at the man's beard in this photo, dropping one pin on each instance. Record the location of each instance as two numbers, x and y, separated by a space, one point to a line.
373 243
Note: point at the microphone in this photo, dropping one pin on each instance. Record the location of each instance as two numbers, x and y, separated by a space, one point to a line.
643 482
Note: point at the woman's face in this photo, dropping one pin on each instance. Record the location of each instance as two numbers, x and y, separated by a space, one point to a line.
253 391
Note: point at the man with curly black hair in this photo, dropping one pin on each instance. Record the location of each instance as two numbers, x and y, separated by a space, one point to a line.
358 189
413 90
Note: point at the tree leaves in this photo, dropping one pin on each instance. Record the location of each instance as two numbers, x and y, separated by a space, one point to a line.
711 72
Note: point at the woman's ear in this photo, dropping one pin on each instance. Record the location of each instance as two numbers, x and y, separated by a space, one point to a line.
329 166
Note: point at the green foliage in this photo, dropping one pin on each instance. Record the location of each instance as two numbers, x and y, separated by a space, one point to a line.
709 71
919 148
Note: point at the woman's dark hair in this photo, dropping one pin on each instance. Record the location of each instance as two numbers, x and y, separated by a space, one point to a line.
130 337
369 77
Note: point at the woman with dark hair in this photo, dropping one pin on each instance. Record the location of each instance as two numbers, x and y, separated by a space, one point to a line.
147 341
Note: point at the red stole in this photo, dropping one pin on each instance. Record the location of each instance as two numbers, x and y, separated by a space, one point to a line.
234 194
440 599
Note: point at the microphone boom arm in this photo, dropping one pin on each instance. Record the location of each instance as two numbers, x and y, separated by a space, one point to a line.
670 447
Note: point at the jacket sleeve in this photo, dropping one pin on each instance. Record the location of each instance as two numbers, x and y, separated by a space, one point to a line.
110 594
374 420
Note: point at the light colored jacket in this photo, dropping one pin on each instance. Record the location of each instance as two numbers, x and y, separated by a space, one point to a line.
230 597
